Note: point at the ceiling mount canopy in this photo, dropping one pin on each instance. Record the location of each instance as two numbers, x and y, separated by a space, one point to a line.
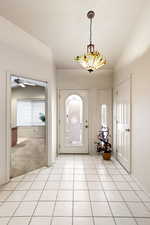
93 60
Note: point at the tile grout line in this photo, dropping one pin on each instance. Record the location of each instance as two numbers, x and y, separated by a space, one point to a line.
141 201
87 181
124 190
133 217
39 196
91 203
108 203
21 201
73 191
37 200
135 191
124 199
58 189
11 190
52 216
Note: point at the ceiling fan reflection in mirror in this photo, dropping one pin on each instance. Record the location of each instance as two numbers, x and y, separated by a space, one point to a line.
23 83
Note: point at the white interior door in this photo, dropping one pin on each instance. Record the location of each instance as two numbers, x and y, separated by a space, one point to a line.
123 106
73 121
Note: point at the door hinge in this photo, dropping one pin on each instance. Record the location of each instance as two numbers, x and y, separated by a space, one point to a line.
59 146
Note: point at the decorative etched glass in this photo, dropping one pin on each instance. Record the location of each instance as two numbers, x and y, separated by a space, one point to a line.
73 121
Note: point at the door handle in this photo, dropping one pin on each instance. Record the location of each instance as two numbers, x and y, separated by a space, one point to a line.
128 130
86 126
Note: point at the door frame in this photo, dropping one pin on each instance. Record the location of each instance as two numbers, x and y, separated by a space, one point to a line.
58 118
115 96
8 119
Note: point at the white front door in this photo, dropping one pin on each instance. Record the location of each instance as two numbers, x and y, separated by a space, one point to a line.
73 121
123 106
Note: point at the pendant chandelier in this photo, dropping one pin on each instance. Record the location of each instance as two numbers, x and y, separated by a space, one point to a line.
93 60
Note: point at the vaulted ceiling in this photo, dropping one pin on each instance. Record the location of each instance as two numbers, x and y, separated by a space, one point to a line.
62 25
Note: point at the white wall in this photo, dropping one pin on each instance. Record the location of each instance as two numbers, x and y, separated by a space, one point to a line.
135 60
21 54
81 79
99 86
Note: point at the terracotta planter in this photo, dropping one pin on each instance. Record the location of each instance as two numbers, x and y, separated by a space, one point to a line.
106 156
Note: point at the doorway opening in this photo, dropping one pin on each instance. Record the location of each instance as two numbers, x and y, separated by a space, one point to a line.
28 150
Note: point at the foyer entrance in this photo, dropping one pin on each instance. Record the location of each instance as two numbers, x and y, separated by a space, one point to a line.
73 121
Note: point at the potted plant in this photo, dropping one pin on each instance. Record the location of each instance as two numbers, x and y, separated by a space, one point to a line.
42 117
103 145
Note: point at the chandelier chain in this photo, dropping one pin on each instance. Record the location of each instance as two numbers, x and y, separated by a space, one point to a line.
91 31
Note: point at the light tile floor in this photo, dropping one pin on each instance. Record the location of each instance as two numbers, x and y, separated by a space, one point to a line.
77 190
